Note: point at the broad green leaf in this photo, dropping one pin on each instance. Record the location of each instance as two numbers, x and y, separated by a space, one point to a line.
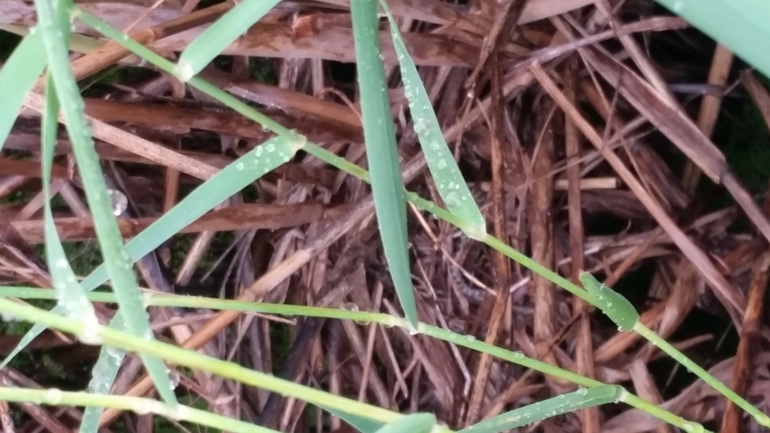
446 174
740 25
69 295
545 409
381 152
414 423
17 77
615 306
212 41
54 25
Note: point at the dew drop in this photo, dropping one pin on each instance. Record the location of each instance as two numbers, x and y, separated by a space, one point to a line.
239 166
184 71
441 164
350 306
53 396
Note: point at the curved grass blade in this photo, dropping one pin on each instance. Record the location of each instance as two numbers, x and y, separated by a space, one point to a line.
414 423
53 19
559 405
237 175
746 33
102 377
615 306
381 153
446 174
17 77
68 292
212 41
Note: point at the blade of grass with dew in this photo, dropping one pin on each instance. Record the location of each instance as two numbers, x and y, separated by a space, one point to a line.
212 41
136 404
65 284
231 179
739 25
18 75
237 175
612 304
446 174
103 376
414 423
54 25
559 405
381 152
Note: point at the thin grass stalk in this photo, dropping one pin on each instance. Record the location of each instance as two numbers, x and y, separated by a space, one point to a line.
141 406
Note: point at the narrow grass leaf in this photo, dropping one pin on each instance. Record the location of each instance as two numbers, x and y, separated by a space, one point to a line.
381 152
361 424
68 292
53 22
240 173
414 423
233 178
559 405
446 174
212 41
745 32
615 306
102 377
17 77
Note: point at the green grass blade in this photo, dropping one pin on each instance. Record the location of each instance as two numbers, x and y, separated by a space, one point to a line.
68 292
615 306
446 174
739 25
233 178
414 423
219 35
53 19
381 152
102 377
17 77
559 405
